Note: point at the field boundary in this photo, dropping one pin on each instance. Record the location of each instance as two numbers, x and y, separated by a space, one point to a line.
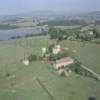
44 88
97 76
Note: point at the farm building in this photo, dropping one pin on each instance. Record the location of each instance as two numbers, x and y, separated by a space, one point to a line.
88 35
44 50
56 49
26 62
61 63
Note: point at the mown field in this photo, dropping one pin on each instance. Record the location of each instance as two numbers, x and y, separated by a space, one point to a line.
19 82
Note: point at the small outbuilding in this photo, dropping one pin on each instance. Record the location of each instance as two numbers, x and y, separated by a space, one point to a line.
56 49
26 62
44 50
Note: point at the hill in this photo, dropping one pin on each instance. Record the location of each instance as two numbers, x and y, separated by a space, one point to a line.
95 13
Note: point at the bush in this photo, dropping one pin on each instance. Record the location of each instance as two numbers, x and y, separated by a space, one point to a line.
52 57
7 74
60 55
50 48
32 58
53 33
39 58
76 67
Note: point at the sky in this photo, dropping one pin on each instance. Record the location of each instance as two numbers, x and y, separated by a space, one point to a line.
8 7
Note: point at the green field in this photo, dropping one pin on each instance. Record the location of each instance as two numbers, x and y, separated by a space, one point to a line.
22 84
17 23
87 53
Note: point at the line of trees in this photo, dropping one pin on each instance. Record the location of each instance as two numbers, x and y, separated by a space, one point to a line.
8 26
73 33
59 34
64 22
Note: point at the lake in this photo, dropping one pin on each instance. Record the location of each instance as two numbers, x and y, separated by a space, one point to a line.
6 34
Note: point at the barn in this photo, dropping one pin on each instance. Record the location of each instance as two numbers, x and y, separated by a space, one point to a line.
61 63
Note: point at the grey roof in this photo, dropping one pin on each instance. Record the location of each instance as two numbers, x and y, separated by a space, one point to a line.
66 59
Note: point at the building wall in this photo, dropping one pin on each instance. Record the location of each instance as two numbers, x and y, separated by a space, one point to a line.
56 50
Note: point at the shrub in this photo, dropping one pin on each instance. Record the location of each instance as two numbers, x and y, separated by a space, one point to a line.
7 74
32 58
60 55
50 48
52 57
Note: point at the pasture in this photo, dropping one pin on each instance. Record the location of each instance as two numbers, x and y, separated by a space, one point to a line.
19 82
87 53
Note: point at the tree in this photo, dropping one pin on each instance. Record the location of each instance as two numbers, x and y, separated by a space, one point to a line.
77 36
60 55
32 57
96 33
50 48
53 33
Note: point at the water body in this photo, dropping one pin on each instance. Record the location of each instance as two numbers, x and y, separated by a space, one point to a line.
6 34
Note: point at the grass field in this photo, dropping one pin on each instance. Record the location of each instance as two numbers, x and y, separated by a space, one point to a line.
22 83
85 52
22 22
26 24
